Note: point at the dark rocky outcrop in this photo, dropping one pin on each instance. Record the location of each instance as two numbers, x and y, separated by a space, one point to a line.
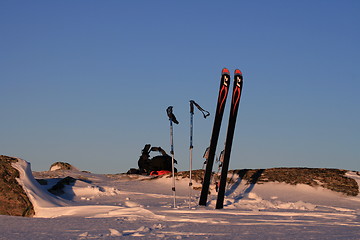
58 188
13 199
333 179
61 166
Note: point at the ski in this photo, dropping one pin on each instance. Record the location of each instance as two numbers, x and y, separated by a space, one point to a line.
235 101
223 92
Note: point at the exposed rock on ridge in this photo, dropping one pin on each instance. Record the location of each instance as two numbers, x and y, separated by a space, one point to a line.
13 199
333 179
62 166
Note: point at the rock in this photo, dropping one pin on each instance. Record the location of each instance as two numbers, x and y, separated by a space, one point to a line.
13 199
42 181
58 188
196 175
62 166
332 179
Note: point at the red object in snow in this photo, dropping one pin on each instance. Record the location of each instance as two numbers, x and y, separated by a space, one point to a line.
158 173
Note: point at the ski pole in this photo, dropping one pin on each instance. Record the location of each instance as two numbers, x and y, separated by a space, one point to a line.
172 119
191 148
205 114
172 161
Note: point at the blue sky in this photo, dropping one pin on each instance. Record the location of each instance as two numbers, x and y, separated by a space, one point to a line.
88 82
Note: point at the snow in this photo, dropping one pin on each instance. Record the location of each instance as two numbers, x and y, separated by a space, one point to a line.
54 168
132 207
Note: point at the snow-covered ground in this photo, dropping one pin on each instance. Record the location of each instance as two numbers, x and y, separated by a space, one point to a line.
133 207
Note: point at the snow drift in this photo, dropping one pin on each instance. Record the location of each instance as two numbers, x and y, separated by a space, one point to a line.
47 205
98 206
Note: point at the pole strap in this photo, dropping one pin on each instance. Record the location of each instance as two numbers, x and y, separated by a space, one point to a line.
203 111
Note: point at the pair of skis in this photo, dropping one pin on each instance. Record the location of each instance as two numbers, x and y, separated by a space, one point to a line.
223 92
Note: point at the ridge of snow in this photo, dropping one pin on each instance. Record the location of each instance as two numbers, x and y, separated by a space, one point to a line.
47 205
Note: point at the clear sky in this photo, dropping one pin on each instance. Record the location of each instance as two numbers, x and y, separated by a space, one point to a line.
88 82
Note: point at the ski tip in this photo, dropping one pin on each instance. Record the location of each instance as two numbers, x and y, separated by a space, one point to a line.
237 72
225 71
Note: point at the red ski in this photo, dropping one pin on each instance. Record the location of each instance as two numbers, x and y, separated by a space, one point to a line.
223 92
235 101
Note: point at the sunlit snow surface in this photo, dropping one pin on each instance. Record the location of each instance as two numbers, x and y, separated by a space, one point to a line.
128 207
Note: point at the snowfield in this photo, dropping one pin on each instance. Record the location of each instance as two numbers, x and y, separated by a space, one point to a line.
124 206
